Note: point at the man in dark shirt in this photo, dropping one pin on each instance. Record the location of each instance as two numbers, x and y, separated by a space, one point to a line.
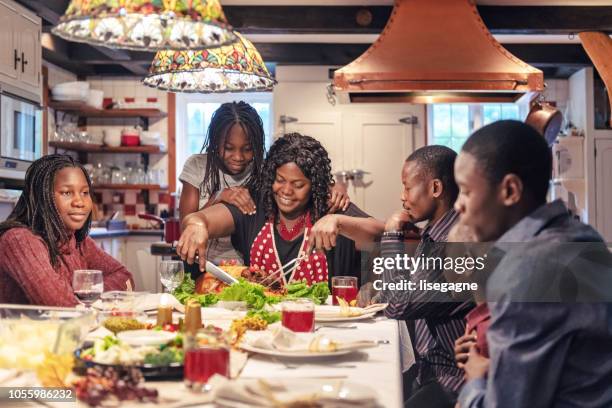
434 319
550 338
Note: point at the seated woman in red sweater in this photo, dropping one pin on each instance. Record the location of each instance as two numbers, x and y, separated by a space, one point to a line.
45 239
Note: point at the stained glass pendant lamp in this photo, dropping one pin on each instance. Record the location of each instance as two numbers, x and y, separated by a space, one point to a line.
233 68
146 25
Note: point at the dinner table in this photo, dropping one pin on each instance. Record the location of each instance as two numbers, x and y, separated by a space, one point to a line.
377 369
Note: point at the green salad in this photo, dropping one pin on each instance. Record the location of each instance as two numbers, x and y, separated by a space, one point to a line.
252 293
110 350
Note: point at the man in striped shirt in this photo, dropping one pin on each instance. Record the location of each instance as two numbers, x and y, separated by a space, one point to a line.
434 319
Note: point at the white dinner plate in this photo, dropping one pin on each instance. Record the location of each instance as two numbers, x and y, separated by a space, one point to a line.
343 318
294 354
146 337
327 313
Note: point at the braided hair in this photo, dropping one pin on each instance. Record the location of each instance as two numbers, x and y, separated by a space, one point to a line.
36 210
228 115
312 159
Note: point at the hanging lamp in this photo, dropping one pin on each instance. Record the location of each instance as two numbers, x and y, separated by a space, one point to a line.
233 68
146 25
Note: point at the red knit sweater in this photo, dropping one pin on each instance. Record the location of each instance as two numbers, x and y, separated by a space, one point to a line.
27 276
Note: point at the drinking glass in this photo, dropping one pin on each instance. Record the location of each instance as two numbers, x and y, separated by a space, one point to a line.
344 287
204 361
298 315
207 352
87 285
171 274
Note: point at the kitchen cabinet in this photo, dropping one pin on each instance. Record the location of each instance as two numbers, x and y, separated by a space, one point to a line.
143 265
603 191
21 52
115 247
8 52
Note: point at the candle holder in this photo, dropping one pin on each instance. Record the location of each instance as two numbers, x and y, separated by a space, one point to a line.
164 315
193 316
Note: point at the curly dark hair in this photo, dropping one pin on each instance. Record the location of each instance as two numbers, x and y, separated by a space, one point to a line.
36 210
228 115
312 159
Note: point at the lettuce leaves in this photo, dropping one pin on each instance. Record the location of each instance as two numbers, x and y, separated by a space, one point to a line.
318 292
252 293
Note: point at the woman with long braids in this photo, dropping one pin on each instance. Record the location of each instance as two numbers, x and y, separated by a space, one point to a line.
228 168
45 238
291 218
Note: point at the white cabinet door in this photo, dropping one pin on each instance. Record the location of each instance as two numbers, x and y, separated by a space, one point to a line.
106 244
29 51
375 143
603 191
380 144
118 249
326 128
8 49
143 266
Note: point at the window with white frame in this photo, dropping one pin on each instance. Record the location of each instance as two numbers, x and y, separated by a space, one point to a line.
194 113
451 124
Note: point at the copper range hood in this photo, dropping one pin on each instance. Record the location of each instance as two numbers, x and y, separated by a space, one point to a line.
436 51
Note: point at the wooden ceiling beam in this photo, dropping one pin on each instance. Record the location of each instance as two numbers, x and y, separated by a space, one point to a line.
342 54
372 19
344 19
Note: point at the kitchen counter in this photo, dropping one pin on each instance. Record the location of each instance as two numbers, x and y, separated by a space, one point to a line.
105 233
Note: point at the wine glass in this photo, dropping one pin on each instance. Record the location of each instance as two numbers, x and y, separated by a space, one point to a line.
171 274
87 285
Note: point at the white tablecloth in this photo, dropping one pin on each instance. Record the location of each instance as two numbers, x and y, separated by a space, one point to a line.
379 368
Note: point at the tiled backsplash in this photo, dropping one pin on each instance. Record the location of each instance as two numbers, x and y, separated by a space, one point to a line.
130 203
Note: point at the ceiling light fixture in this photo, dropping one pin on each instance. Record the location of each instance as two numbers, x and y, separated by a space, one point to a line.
146 25
233 68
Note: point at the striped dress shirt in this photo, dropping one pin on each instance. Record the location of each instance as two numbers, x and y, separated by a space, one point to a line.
437 319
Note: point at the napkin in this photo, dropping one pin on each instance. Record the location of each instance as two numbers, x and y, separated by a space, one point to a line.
284 340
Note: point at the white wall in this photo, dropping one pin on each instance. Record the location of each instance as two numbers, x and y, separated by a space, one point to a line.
304 88
557 90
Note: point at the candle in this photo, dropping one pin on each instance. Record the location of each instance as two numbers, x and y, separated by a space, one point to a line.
164 312
193 316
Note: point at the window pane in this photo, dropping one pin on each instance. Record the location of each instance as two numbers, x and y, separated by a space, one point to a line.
194 144
510 111
460 120
263 109
491 113
442 121
457 143
444 141
195 118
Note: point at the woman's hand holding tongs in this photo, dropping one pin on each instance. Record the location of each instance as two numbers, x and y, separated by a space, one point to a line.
324 233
